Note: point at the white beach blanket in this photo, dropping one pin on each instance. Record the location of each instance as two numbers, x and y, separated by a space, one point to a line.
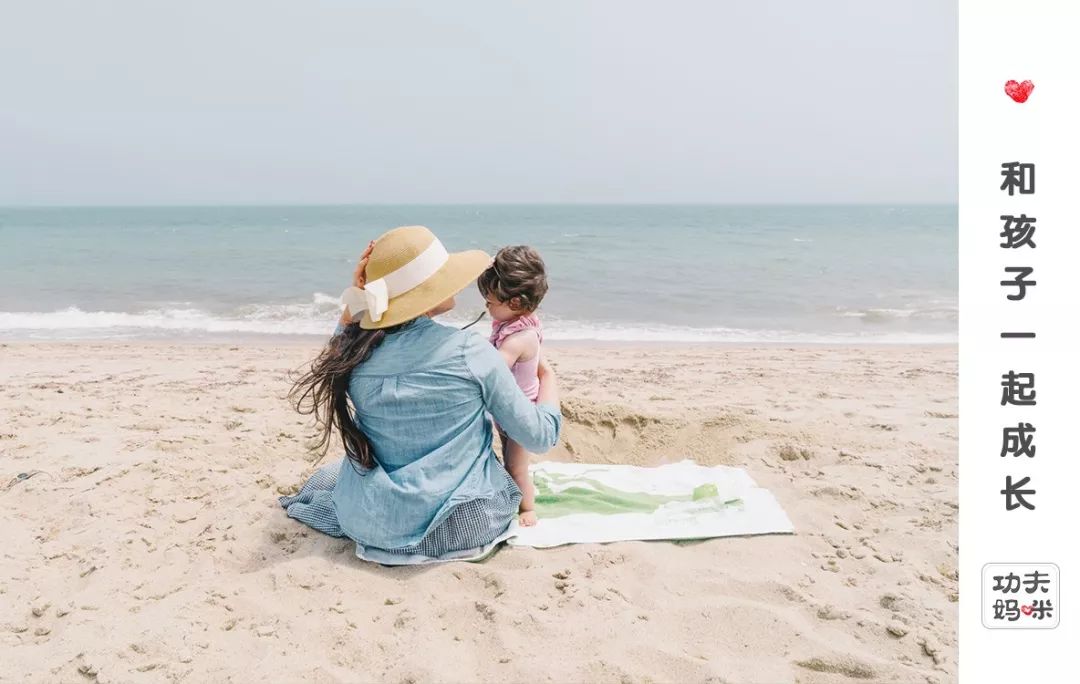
580 503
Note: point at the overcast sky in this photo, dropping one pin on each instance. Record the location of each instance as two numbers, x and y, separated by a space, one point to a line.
238 101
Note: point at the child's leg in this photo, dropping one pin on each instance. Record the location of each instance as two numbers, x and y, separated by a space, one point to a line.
516 459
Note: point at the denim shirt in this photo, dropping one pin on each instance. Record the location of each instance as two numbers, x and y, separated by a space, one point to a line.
422 400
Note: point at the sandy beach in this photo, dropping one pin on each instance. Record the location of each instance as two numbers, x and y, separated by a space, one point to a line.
147 544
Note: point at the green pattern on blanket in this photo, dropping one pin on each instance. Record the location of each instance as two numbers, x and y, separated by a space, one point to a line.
584 495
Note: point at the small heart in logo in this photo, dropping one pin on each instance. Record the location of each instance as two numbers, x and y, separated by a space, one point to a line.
1019 91
1026 610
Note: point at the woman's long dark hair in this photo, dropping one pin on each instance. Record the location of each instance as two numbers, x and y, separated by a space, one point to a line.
323 390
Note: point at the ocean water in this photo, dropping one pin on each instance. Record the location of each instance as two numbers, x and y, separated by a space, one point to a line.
636 273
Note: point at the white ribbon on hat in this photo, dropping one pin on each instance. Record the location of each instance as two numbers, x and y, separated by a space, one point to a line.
375 296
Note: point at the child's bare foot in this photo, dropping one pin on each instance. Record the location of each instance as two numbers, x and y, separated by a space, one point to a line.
527 518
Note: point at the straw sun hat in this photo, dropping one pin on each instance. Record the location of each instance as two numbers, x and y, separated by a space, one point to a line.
408 274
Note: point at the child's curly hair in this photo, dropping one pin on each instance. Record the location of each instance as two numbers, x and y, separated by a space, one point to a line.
517 278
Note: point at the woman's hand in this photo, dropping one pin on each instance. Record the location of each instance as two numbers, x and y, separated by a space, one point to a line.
359 279
543 367
360 274
549 387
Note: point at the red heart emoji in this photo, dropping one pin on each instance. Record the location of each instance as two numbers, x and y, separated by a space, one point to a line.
1019 91
1026 610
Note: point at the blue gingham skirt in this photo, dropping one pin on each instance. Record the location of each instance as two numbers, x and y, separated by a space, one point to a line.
471 525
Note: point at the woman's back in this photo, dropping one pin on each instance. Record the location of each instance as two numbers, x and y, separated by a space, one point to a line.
415 394
422 400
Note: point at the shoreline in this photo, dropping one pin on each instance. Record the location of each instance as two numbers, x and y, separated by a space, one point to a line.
270 341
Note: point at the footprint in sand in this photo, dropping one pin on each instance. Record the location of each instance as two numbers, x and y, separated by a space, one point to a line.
830 612
562 581
486 611
885 427
848 667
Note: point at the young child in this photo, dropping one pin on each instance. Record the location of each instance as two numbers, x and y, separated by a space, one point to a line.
513 287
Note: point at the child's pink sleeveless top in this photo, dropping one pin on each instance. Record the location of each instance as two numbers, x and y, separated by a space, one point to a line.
524 371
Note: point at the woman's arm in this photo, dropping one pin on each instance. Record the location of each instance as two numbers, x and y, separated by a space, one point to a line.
359 280
534 426
343 321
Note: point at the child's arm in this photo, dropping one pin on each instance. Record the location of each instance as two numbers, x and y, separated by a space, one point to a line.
521 346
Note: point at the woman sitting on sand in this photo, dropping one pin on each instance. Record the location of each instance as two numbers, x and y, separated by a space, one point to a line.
420 479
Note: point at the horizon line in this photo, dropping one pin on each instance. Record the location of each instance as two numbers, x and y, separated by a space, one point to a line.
248 205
